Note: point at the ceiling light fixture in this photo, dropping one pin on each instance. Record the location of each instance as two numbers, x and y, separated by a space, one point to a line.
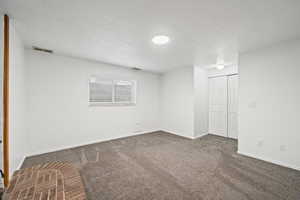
160 39
220 66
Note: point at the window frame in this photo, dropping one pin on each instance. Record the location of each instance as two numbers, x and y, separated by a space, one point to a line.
114 83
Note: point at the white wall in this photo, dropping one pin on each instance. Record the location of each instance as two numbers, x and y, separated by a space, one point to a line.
59 114
177 102
18 139
201 101
269 104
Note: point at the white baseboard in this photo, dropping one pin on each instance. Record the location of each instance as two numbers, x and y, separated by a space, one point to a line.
200 136
178 134
189 137
36 153
269 160
21 162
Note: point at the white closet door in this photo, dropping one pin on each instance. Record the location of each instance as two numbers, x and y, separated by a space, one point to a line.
218 106
233 106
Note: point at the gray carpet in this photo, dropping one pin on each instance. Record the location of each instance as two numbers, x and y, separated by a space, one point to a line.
164 166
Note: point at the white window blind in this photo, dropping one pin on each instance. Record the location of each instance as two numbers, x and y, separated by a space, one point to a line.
114 92
101 91
123 91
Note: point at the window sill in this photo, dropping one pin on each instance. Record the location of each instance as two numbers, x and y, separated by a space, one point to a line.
96 104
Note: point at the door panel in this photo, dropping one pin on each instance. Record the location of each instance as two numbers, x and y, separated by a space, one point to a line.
233 106
218 106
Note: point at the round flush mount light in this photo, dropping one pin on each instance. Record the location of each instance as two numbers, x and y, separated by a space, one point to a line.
220 66
160 39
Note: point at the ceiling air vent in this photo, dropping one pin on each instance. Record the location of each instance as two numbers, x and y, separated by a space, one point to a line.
136 68
41 49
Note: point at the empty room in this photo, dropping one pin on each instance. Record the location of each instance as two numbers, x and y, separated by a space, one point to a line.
149 100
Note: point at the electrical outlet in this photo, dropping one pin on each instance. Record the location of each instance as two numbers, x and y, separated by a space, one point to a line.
260 143
137 127
252 104
282 148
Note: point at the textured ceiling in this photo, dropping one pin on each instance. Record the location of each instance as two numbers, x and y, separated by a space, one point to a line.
120 32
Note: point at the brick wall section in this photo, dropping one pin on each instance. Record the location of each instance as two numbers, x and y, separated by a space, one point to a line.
50 181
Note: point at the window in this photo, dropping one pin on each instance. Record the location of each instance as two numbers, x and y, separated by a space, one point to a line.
112 92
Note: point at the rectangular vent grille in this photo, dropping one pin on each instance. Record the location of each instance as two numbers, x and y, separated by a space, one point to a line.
41 49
